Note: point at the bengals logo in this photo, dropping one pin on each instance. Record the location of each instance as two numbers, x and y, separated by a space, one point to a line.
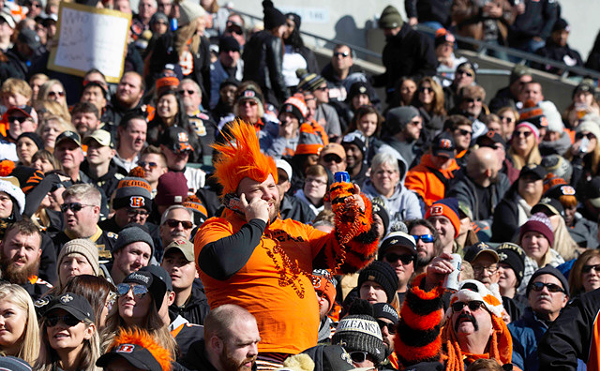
491 134
568 190
137 201
182 137
437 210
249 94
445 144
125 348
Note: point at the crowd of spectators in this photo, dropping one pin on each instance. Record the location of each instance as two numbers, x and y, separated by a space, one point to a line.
190 215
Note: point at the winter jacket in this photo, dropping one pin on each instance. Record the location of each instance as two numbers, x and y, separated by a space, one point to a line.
293 208
584 232
503 98
559 147
429 10
217 75
537 20
195 309
109 181
263 59
506 218
422 179
555 52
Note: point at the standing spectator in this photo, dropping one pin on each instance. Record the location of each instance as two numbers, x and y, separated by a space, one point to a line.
406 53
176 224
464 76
86 118
69 154
202 124
127 99
430 102
176 146
399 250
557 49
23 334
585 274
132 138
103 172
509 96
427 242
325 114
229 65
341 73
444 50
429 13
533 25
296 56
7 29
263 56
404 124
154 163
24 53
133 250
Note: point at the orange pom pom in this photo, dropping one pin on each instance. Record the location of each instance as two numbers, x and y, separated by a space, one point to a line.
137 172
6 167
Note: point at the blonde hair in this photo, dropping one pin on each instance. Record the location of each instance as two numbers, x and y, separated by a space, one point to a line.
84 191
563 242
50 108
45 91
30 340
13 85
519 161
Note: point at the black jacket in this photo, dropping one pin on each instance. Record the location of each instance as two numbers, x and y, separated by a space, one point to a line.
503 98
506 218
195 309
537 20
409 53
263 59
563 54
429 10
109 181
293 208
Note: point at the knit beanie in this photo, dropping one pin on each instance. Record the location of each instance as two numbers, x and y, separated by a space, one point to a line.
589 126
378 207
81 246
513 255
10 185
397 118
551 271
358 139
528 125
310 141
383 274
473 290
272 16
297 107
188 11
358 88
325 283
534 114
553 117
171 189
34 137
133 193
447 207
133 233
309 81
296 18
539 223
390 18
360 332
250 93
384 310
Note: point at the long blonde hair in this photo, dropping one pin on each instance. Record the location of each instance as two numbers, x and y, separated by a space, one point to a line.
563 242
30 340
534 157
184 34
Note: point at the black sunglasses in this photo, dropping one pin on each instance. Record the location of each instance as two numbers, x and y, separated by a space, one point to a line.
75 206
332 157
68 320
588 268
587 135
151 165
190 92
472 100
358 356
404 258
552 287
464 133
340 54
390 326
138 290
463 72
473 305
425 89
173 223
18 118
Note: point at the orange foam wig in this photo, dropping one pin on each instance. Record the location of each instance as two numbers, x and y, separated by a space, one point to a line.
240 157
146 341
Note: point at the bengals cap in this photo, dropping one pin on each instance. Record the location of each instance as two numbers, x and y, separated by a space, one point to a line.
443 145
176 139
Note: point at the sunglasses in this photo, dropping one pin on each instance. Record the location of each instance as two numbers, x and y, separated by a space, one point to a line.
427 238
473 100
322 88
589 136
18 118
139 291
390 326
358 356
473 305
75 206
524 133
332 157
464 132
68 320
404 258
507 119
56 93
236 30
588 268
463 72
190 92
552 287
425 90
173 223
151 165
340 54
248 102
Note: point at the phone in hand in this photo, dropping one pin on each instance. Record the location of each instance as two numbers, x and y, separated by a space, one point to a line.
232 202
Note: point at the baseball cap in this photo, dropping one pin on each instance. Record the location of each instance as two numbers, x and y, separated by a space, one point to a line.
74 304
551 204
101 136
138 356
334 148
489 139
533 169
443 145
285 166
8 19
176 139
400 239
474 251
68 135
185 246
29 38
26 110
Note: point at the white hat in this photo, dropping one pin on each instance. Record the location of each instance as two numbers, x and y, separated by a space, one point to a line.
473 290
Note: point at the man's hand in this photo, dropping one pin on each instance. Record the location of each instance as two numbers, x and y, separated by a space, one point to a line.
413 21
356 199
438 269
256 209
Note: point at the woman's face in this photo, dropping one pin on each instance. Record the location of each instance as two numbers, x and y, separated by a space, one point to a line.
74 265
360 100
315 187
6 205
108 305
368 124
426 94
166 107
591 139
13 320
50 132
583 97
591 279
43 165
496 126
57 93
535 245
508 278
407 90
133 309
248 109
26 148
507 122
65 337
373 292
385 178
523 140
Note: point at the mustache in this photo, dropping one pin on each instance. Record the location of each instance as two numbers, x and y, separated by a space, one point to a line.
469 317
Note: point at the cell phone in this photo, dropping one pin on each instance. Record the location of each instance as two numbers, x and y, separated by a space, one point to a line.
232 202
585 143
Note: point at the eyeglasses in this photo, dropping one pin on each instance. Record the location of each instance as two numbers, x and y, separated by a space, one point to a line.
151 165
173 223
463 72
135 212
589 136
507 119
473 305
20 119
190 92
332 157
68 320
491 269
464 132
341 54
390 326
75 206
539 286
56 94
473 100
139 291
316 181
524 133
588 268
425 89
358 356
404 258
427 238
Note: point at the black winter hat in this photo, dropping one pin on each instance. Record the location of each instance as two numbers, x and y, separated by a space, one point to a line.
272 16
383 274
513 255
551 271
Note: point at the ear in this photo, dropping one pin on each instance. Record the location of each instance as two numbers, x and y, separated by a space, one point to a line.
564 301
217 344
89 331
170 298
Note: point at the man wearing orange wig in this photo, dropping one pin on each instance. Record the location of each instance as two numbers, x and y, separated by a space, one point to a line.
474 327
264 264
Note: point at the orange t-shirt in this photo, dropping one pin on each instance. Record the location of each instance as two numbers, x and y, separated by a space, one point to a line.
284 302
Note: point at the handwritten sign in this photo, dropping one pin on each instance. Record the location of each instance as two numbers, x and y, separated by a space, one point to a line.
90 38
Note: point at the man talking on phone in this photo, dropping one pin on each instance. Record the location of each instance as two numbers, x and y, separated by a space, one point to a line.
252 258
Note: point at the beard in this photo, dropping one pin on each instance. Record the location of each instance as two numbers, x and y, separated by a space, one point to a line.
18 275
230 364
423 261
274 213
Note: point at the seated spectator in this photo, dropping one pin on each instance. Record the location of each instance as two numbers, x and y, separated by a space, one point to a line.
428 179
341 73
292 114
333 158
35 82
325 114
356 156
50 128
509 96
127 99
399 250
54 90
203 125
510 267
177 147
20 120
430 102
227 96
98 165
405 126
70 313
368 121
387 319
524 142
508 119
69 153
563 243
290 207
154 163
133 250
98 291
172 190
15 92
584 154
176 224
427 242
44 161
465 75
444 50
584 277
86 118
557 49
325 288
132 138
443 216
515 208
556 140
387 182
484 261
28 144
583 103
361 93
21 322
407 89
95 94
76 258
470 105
316 185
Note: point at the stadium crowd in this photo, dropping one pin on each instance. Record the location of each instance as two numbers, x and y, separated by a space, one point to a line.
195 215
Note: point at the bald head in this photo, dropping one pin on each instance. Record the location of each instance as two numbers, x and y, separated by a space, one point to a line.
221 319
482 164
